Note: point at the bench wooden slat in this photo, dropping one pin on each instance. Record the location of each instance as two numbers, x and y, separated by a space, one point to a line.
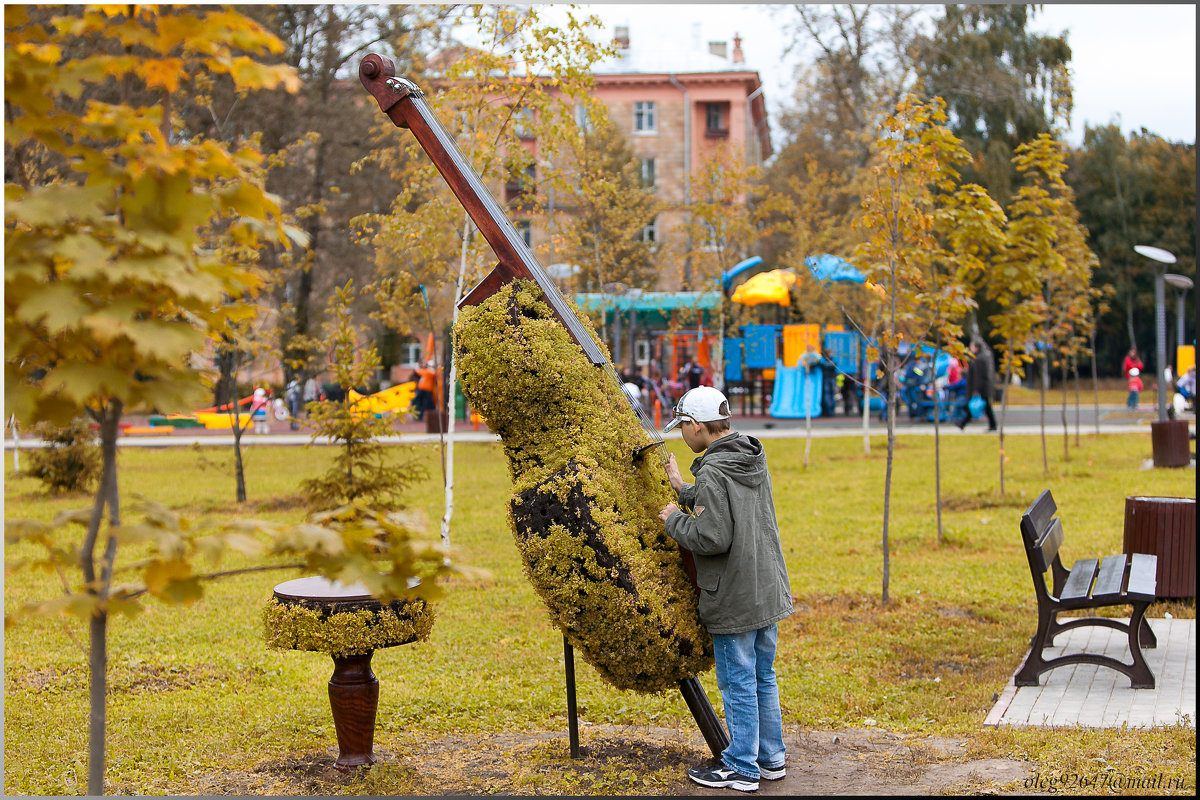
1142 576
1079 585
1109 578
1038 515
1048 544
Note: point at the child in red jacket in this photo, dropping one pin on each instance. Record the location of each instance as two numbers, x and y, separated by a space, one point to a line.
1135 387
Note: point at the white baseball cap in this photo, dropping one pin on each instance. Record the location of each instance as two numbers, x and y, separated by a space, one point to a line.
702 404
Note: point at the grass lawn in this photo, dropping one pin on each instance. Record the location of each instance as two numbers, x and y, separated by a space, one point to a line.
199 705
1109 391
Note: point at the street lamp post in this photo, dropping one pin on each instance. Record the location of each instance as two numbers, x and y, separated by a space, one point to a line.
1160 321
1168 438
1180 283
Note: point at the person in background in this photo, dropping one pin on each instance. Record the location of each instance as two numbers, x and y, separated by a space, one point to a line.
426 382
954 386
848 387
1131 362
312 392
259 407
954 375
690 374
634 393
1184 398
1186 385
294 396
1135 388
811 357
980 373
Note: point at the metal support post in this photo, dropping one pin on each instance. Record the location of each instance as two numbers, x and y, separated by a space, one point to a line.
1160 343
706 718
572 713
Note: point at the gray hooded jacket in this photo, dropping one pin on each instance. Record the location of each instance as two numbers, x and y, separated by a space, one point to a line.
734 538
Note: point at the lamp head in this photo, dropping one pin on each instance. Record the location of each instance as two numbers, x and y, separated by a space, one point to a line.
1154 253
1177 281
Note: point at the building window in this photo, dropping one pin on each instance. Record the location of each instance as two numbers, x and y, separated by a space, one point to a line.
712 237
412 353
650 232
643 352
716 117
523 123
525 231
582 119
648 178
521 184
643 117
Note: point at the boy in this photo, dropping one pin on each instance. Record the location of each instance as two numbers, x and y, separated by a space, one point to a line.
744 588
1135 387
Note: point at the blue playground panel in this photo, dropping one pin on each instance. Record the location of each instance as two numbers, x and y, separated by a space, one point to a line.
733 360
797 392
760 345
844 349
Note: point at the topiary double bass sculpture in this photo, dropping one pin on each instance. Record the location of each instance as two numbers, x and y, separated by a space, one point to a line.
585 500
583 510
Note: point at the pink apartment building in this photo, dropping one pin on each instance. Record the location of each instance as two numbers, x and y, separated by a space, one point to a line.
675 105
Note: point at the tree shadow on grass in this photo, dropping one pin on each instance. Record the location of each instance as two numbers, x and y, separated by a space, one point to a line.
984 499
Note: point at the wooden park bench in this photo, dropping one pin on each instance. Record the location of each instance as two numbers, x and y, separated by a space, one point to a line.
1088 584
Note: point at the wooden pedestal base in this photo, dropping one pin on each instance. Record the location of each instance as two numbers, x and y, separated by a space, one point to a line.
354 698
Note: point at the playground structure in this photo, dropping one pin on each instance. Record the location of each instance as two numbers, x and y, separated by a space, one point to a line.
801 368
758 365
799 371
397 399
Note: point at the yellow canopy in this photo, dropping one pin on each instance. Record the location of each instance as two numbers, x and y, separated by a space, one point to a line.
766 287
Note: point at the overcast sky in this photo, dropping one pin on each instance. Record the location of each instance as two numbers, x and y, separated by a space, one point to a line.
1132 63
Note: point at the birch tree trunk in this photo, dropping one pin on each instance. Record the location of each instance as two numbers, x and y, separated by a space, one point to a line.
1004 409
1075 373
889 399
807 418
16 434
452 398
866 408
1066 428
1042 408
937 452
1095 382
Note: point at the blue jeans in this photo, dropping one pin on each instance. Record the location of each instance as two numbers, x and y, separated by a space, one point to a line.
746 677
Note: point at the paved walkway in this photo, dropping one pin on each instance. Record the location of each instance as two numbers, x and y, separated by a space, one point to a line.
1096 697
410 432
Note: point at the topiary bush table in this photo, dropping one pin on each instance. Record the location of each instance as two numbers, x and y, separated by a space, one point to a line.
349 624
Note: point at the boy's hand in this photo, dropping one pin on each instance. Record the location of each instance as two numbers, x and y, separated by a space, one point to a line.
673 474
667 511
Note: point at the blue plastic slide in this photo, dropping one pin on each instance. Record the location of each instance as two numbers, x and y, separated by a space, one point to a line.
797 392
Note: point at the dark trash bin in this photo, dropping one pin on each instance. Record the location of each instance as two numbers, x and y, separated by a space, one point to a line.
1165 527
1169 443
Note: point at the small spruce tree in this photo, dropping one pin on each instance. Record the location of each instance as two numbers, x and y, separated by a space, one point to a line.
364 469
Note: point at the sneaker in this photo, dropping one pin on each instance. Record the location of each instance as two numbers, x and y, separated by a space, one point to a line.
722 777
772 773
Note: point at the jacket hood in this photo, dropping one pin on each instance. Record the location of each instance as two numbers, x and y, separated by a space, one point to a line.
736 455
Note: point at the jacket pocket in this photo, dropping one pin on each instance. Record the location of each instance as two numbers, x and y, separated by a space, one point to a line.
708 581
